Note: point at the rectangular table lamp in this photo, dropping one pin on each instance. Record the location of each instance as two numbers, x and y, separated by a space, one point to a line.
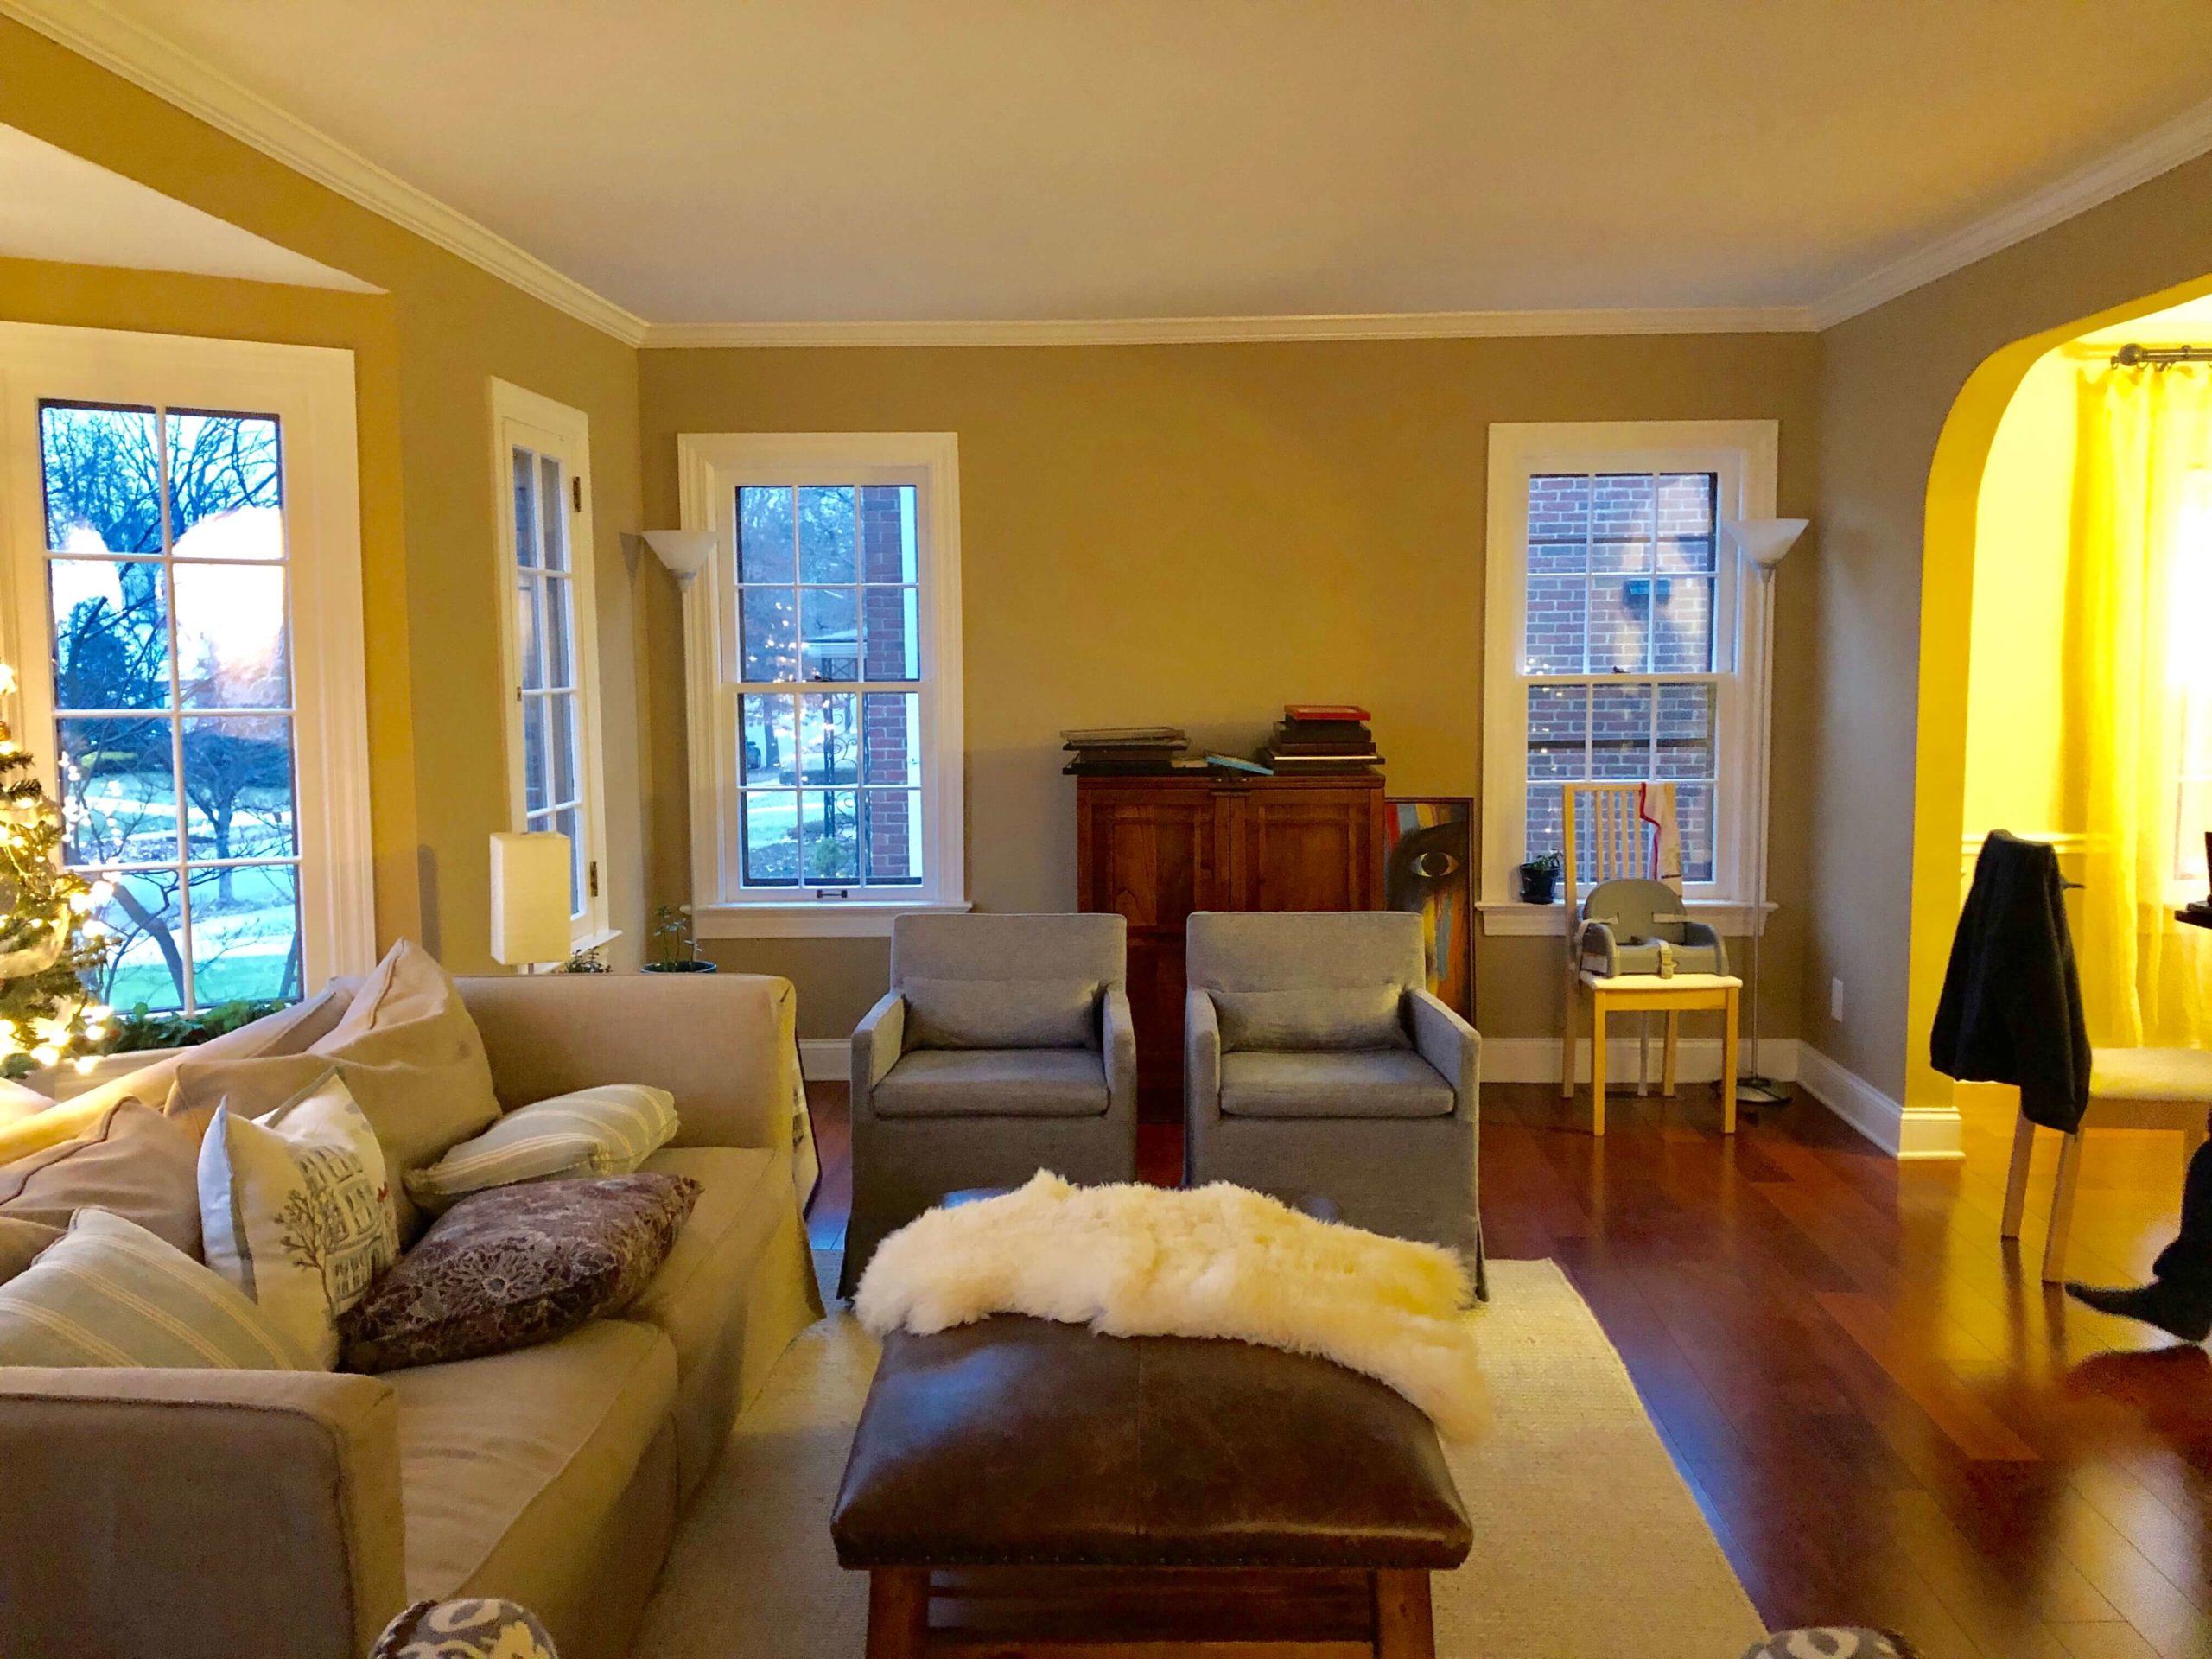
530 897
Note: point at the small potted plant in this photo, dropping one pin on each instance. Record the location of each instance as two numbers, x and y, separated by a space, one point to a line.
1539 880
675 951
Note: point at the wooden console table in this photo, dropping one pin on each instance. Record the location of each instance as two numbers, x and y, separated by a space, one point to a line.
1154 849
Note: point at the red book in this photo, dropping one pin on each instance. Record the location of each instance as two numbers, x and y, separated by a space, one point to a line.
1323 711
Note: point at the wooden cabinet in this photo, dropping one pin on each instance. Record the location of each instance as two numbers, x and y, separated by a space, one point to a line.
1154 849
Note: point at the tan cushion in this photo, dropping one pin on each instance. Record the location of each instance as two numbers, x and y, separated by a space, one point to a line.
993 1083
20 1243
609 1130
408 1053
109 1293
1001 1012
1321 1017
2150 1074
33 1132
1375 1083
698 1298
500 1459
131 1162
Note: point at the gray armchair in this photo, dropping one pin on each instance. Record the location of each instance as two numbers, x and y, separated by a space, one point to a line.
1003 1047
1317 1062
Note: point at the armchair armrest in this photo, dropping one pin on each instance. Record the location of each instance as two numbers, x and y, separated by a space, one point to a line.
878 1041
1596 939
1705 933
197 1513
1449 1043
725 1044
1117 1038
1201 1057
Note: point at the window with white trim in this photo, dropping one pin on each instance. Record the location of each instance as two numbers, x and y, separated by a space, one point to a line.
549 636
184 557
1625 636
824 648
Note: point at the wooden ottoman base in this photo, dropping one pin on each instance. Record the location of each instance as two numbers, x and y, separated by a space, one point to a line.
1109 1612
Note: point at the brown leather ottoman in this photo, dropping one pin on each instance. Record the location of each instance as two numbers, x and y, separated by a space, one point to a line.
1019 1484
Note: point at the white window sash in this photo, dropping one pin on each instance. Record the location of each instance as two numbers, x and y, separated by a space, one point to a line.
711 468
1741 455
310 391
524 419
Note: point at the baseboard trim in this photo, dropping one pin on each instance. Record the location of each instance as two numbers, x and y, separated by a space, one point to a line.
1535 1059
1505 1060
1906 1133
825 1059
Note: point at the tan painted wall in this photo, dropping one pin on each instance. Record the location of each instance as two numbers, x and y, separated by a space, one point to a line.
2017 760
1200 534
1886 702
426 351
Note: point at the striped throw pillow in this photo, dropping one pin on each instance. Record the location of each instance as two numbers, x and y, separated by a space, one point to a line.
110 1292
609 1130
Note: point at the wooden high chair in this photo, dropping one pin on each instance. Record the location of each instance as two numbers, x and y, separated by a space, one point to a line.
1620 846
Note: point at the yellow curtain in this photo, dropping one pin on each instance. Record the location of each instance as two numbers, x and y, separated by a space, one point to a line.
2140 699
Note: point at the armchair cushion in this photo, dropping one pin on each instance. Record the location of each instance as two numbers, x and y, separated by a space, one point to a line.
1321 1017
994 1082
1001 1012
1341 1083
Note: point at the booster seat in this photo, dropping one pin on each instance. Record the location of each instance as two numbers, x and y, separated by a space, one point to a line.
1634 926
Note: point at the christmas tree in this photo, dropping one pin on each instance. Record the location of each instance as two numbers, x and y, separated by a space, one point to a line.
49 940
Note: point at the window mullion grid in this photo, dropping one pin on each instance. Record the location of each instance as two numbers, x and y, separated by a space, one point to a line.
183 866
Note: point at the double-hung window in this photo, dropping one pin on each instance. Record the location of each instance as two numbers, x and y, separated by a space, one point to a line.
184 565
822 645
548 635
1625 642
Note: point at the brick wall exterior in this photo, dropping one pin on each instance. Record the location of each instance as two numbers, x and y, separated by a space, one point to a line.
887 816
1621 580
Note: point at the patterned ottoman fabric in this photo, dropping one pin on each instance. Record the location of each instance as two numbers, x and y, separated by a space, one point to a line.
518 1265
1831 1642
464 1629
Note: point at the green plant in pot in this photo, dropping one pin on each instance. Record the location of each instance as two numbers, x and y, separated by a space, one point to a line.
675 951
1539 880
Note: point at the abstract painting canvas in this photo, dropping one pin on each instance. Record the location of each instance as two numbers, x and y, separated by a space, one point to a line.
1428 867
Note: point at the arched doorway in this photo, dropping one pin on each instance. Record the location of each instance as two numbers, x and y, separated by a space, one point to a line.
1999 472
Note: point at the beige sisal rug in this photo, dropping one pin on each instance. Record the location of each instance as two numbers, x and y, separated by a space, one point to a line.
1588 1545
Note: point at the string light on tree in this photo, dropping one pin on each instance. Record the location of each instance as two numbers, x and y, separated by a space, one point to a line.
48 939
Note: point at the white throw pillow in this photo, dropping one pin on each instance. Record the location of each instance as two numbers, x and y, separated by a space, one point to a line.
296 1211
110 1292
608 1130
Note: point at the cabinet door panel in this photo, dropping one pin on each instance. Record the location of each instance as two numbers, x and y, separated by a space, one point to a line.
1310 849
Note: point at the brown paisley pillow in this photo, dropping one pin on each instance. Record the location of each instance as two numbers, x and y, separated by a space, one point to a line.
518 1265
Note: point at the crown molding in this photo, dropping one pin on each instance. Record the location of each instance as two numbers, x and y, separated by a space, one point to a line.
2185 138
1190 331
143 58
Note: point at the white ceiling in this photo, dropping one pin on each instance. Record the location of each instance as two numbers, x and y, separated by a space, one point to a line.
56 206
702 162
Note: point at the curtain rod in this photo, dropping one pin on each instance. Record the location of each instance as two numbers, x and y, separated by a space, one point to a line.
2131 357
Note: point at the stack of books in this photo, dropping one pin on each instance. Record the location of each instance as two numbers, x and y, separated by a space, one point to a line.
1322 739
1125 751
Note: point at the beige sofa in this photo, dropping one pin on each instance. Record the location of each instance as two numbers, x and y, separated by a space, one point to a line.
287 1515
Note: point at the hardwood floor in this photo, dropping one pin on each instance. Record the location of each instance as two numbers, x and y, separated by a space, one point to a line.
1884 1416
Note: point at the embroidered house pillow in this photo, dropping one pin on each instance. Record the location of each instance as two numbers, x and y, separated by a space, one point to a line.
295 1211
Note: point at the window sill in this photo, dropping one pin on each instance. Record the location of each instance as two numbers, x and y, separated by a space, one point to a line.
823 920
1511 920
596 940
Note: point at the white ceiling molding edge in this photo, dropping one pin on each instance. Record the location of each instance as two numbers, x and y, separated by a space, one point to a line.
2185 138
145 59
1195 331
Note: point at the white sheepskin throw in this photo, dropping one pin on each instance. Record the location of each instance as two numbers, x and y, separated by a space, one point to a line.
1136 1261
